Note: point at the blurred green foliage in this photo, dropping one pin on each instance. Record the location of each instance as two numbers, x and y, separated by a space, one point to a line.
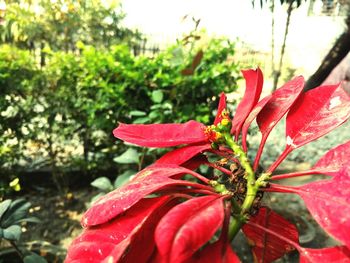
58 108
37 24
14 214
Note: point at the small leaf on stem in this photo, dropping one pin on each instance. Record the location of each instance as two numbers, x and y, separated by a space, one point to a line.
221 107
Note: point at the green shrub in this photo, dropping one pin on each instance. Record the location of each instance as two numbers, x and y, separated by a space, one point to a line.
69 107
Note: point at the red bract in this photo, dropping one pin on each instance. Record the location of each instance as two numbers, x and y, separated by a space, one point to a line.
188 227
161 217
277 106
145 182
221 108
254 84
162 135
120 234
315 114
329 255
329 203
332 162
217 252
267 247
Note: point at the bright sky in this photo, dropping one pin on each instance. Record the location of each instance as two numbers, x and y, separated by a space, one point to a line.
162 20
221 17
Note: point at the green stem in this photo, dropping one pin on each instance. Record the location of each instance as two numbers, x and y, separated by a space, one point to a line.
19 252
253 186
236 208
235 225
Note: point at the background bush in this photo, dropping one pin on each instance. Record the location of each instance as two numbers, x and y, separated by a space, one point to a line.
61 115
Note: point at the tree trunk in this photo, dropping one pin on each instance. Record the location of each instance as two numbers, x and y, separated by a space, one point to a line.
339 50
277 72
272 8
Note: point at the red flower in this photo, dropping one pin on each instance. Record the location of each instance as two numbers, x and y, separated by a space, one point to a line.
161 217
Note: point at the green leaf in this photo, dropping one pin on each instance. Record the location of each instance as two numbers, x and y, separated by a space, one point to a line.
157 96
154 115
141 120
17 211
123 178
128 157
4 205
156 106
102 183
12 233
178 57
31 219
34 258
137 113
94 199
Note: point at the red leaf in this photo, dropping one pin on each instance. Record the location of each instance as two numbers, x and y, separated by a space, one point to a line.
195 162
141 245
254 83
215 253
313 115
329 203
104 241
250 118
197 59
161 135
183 154
329 255
280 102
195 63
188 226
268 247
332 162
318 112
187 71
221 107
144 183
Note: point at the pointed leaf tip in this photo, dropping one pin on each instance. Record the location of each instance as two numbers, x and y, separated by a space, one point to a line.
221 107
254 84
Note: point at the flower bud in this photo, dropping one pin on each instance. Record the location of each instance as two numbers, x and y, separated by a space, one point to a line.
225 122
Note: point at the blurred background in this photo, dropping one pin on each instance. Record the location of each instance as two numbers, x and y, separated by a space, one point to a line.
71 70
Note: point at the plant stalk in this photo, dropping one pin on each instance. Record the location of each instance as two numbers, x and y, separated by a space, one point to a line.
19 252
252 186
